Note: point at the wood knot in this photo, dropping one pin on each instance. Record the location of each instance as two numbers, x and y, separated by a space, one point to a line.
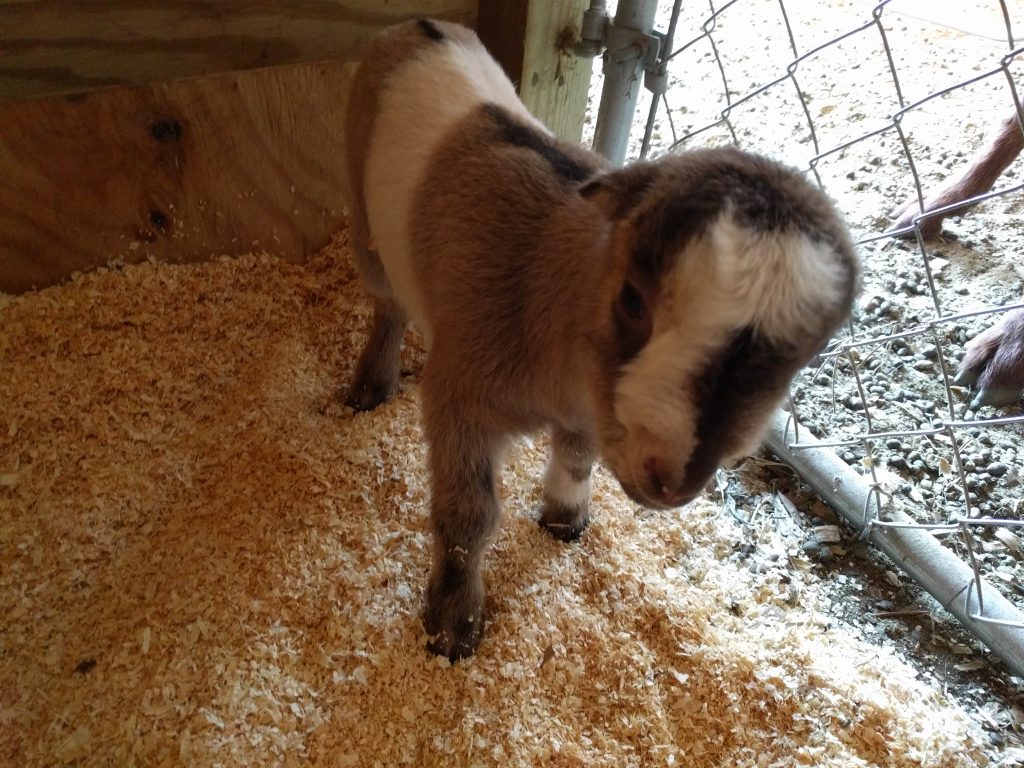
166 130
158 219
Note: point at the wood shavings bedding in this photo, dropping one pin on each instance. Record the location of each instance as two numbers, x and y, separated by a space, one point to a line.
207 561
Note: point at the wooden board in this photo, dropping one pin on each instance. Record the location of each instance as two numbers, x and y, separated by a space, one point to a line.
502 28
532 40
60 46
175 171
555 81
226 163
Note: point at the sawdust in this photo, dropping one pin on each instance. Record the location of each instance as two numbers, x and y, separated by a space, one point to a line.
207 561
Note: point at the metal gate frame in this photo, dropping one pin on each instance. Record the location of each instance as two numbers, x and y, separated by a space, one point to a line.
634 52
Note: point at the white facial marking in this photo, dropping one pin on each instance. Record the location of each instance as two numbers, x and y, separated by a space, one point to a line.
730 279
421 101
650 394
776 283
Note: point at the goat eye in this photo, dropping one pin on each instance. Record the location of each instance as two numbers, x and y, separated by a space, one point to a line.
633 321
631 301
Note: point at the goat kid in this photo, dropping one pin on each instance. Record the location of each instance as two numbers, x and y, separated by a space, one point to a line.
653 315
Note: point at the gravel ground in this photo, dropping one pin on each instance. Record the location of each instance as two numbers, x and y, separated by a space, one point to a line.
849 92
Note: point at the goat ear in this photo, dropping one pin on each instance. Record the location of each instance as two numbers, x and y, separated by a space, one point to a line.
617 192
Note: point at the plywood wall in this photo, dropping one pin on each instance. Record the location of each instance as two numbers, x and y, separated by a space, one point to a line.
177 171
176 129
175 159
58 46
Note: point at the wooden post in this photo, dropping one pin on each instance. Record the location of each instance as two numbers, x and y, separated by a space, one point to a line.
532 40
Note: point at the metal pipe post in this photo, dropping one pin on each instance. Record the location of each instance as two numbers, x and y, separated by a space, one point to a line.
946 577
629 39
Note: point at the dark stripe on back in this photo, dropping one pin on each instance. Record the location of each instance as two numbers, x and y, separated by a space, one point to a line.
521 135
430 29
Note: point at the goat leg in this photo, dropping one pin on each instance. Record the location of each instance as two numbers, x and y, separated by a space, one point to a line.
379 365
464 510
566 510
976 179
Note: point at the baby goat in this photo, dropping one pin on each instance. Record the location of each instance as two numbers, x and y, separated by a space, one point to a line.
653 315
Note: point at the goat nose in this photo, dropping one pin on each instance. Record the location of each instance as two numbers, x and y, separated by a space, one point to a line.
659 481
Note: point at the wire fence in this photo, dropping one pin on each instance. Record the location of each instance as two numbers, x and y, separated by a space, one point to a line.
880 103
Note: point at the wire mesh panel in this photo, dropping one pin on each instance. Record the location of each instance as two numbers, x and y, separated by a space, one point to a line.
909 115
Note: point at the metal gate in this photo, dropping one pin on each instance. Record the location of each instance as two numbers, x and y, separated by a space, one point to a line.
844 92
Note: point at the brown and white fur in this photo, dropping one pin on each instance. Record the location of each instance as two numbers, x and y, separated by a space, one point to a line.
994 363
652 315
976 179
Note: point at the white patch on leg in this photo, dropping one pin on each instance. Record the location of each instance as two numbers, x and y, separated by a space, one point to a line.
562 488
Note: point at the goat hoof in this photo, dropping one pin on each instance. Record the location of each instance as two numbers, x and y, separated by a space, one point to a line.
994 363
366 397
903 217
454 621
564 523
449 644
997 397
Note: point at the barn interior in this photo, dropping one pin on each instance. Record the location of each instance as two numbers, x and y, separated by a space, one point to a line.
207 560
